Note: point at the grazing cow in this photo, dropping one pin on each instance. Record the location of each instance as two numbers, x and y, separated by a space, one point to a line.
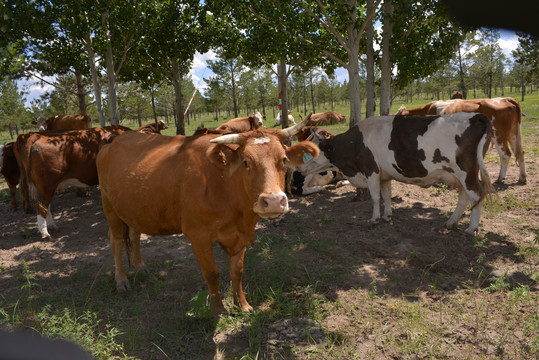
208 187
457 95
291 120
59 122
52 159
10 170
327 118
243 124
302 182
505 115
152 128
421 150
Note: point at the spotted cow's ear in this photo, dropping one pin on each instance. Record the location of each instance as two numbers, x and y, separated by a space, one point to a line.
301 153
224 156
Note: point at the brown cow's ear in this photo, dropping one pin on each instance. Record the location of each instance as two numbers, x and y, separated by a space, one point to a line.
301 153
224 156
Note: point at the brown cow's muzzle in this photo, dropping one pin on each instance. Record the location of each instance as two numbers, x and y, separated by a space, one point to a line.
271 205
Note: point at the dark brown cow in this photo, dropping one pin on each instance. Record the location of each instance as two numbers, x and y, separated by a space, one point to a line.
505 115
152 128
10 170
457 95
307 133
211 188
327 118
64 122
243 124
49 160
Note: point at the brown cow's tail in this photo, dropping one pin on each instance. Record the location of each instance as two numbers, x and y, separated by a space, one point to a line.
518 145
486 184
36 198
127 244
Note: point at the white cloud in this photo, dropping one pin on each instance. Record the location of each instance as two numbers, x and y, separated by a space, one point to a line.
509 44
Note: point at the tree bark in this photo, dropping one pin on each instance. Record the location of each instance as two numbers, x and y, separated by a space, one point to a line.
178 99
385 81
370 105
80 92
95 79
282 78
113 101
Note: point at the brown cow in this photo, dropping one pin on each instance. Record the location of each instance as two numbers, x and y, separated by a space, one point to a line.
211 188
51 159
327 118
63 122
242 124
505 115
152 128
457 95
10 170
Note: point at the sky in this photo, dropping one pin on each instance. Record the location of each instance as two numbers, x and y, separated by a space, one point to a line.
34 89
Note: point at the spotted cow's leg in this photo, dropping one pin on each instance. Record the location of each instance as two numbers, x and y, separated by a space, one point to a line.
204 254
385 190
519 156
373 183
459 210
235 264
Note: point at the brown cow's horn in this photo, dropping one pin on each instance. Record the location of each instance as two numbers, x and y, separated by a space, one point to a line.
291 131
227 139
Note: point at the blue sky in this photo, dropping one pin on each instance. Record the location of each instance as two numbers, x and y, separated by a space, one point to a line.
33 89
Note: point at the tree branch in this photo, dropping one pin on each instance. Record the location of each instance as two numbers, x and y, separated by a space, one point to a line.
368 19
31 74
327 23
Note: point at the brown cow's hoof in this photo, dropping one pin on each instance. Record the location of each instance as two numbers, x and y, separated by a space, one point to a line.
143 269
123 286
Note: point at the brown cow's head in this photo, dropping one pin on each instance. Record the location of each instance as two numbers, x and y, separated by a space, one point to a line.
261 160
41 123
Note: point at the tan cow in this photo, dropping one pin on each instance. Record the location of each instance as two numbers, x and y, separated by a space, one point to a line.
326 118
212 188
152 128
10 170
505 115
55 158
63 122
242 124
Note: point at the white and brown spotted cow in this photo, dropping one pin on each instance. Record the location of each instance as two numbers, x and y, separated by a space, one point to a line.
505 115
420 150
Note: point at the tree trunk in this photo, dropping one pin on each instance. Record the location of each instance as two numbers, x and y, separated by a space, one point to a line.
80 92
370 105
312 92
385 81
461 75
282 79
178 98
234 100
355 94
95 79
153 108
522 83
113 101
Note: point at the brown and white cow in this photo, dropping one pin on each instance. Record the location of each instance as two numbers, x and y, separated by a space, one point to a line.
152 128
291 120
420 150
211 188
505 115
64 122
10 170
52 159
243 124
326 118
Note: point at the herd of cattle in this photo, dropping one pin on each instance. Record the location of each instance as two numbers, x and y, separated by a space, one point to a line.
163 185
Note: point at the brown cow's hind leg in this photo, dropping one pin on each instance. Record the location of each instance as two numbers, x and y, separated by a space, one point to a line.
134 237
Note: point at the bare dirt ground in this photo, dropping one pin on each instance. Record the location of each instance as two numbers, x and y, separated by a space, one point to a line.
414 258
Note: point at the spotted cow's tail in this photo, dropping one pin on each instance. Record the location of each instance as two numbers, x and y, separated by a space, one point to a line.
36 199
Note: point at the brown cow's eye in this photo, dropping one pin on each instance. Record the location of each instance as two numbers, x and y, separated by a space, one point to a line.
246 164
285 160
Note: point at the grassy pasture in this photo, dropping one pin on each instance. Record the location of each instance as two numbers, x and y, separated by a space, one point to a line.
324 283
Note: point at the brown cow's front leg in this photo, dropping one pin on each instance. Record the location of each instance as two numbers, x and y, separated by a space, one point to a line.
134 237
210 271
235 264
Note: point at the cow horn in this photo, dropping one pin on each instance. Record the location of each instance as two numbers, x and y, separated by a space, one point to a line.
227 139
291 131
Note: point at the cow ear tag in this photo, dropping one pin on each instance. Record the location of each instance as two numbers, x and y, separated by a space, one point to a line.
307 157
